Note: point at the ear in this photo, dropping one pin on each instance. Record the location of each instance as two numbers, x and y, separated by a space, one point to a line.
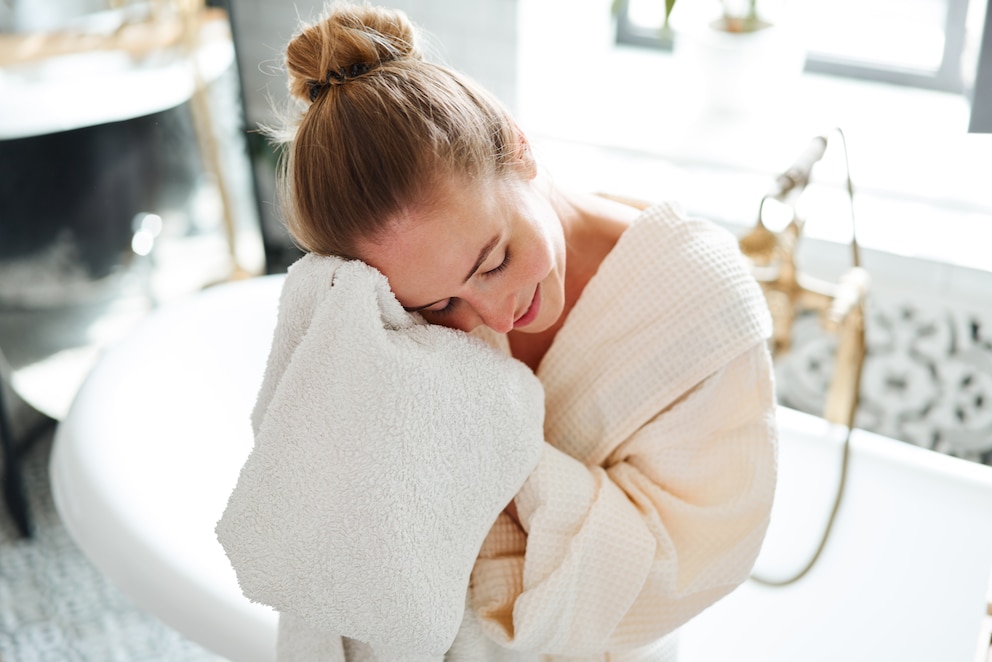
527 163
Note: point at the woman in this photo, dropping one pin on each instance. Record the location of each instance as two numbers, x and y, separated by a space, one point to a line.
652 495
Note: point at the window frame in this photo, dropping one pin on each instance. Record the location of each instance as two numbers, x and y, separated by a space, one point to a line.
981 96
947 78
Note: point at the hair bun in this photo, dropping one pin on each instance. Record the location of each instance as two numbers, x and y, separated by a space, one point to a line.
348 39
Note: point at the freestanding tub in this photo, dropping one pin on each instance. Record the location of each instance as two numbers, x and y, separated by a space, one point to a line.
151 448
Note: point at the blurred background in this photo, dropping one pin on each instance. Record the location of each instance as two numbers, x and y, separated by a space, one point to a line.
132 174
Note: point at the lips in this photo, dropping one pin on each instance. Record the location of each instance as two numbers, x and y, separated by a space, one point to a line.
532 311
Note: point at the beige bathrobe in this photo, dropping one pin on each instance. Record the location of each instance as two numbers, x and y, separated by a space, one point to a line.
653 493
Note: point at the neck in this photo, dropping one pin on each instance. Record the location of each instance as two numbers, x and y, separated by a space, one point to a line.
591 227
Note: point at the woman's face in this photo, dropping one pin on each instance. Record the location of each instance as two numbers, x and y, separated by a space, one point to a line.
490 252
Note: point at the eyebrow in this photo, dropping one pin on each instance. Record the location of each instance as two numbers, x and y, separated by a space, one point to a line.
483 254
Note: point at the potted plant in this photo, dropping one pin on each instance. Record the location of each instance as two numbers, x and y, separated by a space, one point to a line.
736 16
733 57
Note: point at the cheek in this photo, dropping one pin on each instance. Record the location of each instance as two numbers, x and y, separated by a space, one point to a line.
540 257
552 263
533 267
542 263
544 237
553 239
460 320
463 322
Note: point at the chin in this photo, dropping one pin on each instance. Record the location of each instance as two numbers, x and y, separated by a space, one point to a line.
542 323
532 328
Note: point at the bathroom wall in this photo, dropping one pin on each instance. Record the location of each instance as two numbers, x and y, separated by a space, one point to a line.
927 376
479 38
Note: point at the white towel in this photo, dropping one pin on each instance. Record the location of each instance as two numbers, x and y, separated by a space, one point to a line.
385 448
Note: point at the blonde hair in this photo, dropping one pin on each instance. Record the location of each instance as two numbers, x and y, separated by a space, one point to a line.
379 126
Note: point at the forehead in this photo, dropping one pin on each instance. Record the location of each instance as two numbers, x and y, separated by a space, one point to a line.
427 250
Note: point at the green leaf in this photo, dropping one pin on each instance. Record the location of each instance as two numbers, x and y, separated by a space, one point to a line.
669 5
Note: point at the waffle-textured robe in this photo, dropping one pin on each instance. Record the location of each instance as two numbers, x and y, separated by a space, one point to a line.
652 496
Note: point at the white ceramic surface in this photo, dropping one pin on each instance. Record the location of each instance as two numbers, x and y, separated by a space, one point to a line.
150 450
903 577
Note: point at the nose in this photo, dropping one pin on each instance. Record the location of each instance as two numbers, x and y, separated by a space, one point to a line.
498 313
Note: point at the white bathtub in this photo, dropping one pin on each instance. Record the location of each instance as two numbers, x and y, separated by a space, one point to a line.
904 575
151 448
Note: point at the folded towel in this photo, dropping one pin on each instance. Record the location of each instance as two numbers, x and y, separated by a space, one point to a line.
385 448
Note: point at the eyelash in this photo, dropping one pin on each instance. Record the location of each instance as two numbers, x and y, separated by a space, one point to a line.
502 266
447 308
492 272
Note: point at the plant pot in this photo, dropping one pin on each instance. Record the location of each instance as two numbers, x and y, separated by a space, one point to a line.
738 72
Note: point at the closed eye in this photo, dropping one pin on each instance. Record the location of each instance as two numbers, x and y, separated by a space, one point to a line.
501 267
448 307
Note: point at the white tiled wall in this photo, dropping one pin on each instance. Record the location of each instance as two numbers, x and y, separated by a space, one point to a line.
478 38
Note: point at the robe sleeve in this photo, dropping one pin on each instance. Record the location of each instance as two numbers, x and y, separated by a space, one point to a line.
614 556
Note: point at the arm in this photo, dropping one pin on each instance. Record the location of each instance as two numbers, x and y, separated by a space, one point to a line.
618 555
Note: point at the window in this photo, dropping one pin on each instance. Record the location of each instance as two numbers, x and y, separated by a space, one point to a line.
908 42
981 106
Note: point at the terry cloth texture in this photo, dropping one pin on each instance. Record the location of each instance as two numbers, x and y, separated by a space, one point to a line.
385 448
